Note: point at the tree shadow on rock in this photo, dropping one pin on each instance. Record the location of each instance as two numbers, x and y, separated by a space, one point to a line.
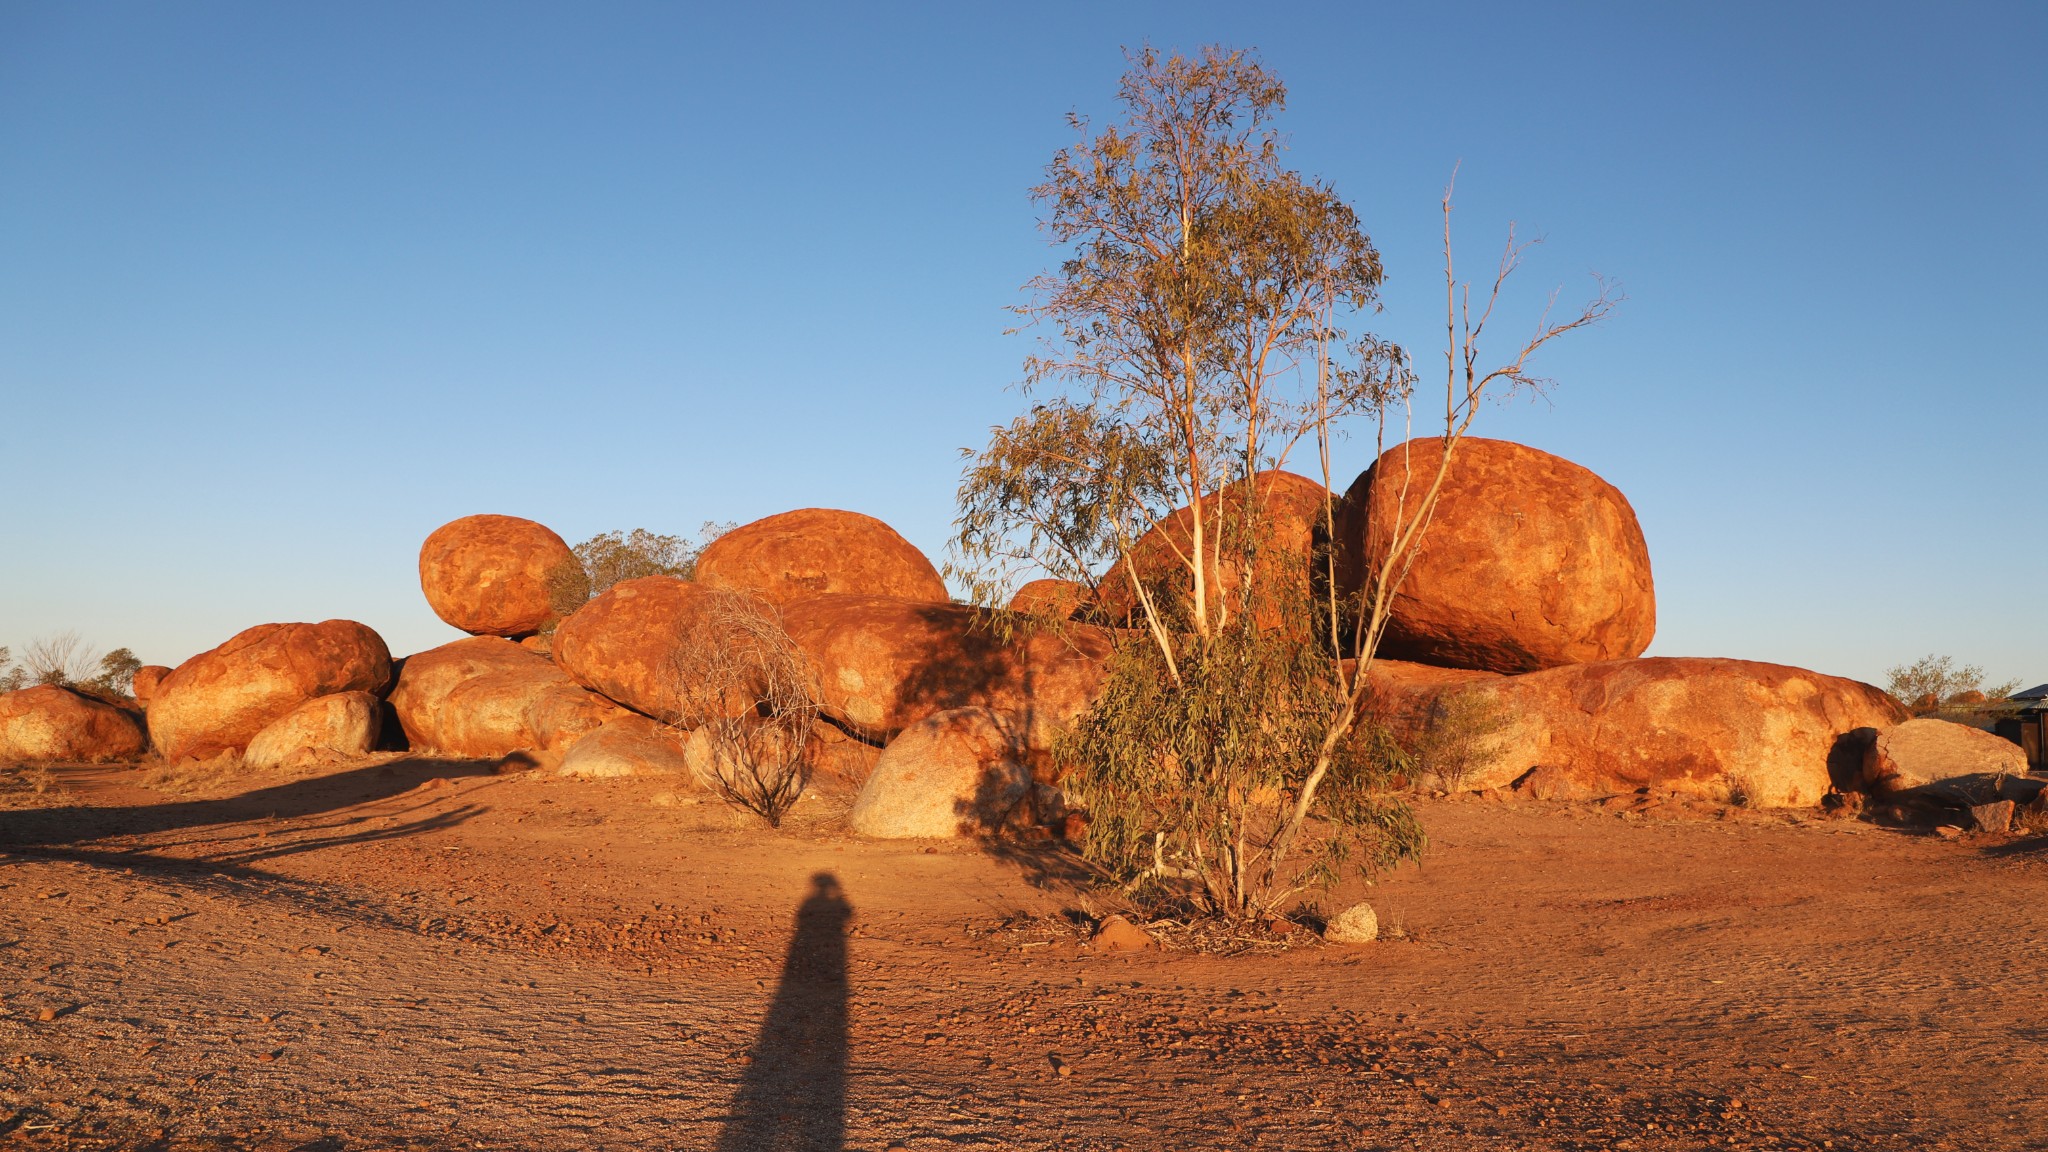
793 1097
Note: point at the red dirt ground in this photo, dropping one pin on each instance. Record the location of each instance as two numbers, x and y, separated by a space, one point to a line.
425 955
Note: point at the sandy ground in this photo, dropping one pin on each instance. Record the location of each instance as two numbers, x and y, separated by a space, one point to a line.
426 955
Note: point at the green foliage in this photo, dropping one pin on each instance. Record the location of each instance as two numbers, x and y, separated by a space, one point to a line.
610 557
11 678
116 672
1454 735
1190 784
1934 682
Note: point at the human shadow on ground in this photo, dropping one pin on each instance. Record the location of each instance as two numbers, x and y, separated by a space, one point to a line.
793 1097
43 831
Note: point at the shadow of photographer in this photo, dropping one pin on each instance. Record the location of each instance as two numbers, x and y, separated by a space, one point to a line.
793 1097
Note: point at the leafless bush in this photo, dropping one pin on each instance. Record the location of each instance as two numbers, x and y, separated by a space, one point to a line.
61 659
743 682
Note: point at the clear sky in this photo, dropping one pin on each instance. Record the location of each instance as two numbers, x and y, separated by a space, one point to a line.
285 286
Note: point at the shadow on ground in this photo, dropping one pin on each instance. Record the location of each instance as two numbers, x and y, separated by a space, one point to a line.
793 1097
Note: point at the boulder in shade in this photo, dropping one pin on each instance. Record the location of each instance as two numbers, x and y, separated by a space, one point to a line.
816 551
953 773
220 699
1529 562
1941 757
490 575
1290 509
325 730
883 664
48 724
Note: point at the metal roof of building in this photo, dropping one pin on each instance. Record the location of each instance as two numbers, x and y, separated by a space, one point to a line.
2038 692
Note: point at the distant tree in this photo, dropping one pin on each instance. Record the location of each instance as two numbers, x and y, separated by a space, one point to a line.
1933 682
116 672
62 659
11 678
610 557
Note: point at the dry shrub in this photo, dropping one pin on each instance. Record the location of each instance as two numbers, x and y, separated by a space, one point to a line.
221 775
27 786
1456 735
745 685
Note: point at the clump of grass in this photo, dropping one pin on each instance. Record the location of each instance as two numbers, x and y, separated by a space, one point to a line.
221 774
28 786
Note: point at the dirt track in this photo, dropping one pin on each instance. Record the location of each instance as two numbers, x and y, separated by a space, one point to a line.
420 954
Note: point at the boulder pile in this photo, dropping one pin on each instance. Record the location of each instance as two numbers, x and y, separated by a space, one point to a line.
1516 636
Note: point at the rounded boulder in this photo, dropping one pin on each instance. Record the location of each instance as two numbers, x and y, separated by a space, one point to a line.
627 643
1943 757
327 730
1285 515
629 745
490 575
954 773
1058 599
1765 735
50 724
147 677
487 697
815 551
884 664
220 699
1528 562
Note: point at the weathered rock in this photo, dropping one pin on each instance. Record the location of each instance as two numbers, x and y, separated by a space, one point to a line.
325 730
488 697
1058 599
220 699
1290 508
625 643
1943 757
49 724
629 745
820 550
488 575
1117 934
147 677
1529 562
884 664
1993 817
954 773
1766 734
542 643
1358 924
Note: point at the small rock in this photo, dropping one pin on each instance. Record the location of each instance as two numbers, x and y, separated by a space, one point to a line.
1281 927
46 1015
1117 934
1947 831
1357 924
1993 817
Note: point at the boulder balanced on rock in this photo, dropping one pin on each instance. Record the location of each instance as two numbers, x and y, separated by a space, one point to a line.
490 575
1529 562
220 699
49 724
815 551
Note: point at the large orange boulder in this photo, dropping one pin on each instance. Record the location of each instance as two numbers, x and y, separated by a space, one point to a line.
1288 508
625 642
220 699
147 677
883 664
47 723
819 550
1943 758
1727 730
487 697
489 575
1529 561
328 730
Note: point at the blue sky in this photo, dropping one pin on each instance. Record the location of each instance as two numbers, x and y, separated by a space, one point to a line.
283 287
